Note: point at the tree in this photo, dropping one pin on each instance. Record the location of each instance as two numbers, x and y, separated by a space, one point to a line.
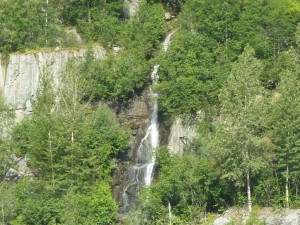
72 150
238 137
94 206
297 36
145 30
191 74
6 122
189 185
115 79
7 203
6 117
23 25
286 124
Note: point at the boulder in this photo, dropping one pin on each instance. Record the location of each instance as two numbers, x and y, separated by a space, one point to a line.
169 16
11 174
221 221
291 218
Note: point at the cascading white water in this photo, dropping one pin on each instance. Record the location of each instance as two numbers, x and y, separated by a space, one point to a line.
141 174
153 128
152 131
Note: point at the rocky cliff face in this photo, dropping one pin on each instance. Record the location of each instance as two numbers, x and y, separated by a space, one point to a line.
19 74
180 136
135 117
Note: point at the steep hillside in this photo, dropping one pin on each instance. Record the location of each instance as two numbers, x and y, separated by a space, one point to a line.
227 94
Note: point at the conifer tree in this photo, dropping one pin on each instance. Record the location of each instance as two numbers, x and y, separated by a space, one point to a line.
285 125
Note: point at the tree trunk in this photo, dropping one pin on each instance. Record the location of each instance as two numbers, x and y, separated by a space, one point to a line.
287 187
72 137
296 193
249 191
3 215
89 18
46 25
51 158
72 159
170 213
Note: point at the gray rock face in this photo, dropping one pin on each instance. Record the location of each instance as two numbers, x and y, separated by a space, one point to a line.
180 136
19 77
20 169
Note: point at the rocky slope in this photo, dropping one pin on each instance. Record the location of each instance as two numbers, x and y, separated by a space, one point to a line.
19 74
19 78
267 216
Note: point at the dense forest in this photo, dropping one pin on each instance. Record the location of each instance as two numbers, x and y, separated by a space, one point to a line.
236 63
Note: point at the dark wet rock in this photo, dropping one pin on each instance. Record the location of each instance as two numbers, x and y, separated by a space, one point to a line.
135 117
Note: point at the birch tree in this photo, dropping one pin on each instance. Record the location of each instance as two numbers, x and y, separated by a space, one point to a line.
239 135
73 111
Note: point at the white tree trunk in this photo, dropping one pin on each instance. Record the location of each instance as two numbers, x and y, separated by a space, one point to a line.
287 187
249 192
170 213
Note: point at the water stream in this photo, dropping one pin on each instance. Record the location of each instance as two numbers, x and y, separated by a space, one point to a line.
141 174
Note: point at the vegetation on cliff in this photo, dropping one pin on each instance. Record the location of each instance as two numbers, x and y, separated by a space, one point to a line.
235 60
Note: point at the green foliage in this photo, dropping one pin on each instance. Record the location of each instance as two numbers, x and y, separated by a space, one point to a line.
189 184
30 202
34 24
239 143
94 207
28 24
6 121
73 147
254 218
189 75
145 30
285 121
96 20
267 191
115 79
182 90
6 116
72 151
212 35
7 203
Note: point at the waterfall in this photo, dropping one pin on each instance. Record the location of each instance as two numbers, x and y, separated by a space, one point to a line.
152 132
141 174
153 128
